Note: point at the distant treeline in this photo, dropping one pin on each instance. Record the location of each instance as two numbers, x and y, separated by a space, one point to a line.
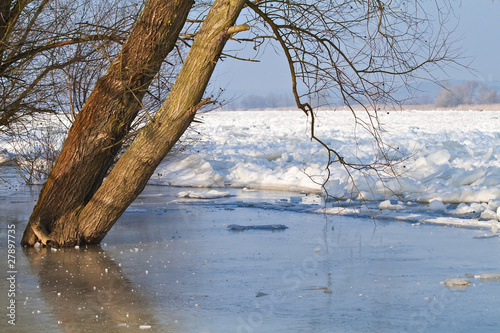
467 93
449 95
253 102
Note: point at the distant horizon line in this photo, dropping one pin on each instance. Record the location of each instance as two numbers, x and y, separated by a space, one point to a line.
359 107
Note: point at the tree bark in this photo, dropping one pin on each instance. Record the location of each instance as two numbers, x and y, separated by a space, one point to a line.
132 171
95 138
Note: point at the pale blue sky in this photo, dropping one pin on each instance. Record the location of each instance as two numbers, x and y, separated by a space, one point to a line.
478 35
480 27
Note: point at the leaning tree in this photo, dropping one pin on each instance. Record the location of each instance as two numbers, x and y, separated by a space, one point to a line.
360 51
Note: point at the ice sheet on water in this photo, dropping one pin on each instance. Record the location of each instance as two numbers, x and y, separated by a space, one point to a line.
391 204
212 194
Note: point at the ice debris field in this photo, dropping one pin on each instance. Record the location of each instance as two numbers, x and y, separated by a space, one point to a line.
448 162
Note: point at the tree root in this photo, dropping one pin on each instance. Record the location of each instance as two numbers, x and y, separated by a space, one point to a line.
42 234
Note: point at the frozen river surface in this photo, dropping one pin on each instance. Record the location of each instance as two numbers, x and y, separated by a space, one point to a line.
171 265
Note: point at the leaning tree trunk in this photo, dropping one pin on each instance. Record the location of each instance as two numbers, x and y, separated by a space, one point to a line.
96 135
132 171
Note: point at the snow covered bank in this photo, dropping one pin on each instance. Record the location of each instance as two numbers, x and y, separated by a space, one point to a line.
449 160
446 157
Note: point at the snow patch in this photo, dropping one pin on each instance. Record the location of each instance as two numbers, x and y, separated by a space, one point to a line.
213 194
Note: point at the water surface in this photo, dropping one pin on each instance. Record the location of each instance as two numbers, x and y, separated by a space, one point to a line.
171 265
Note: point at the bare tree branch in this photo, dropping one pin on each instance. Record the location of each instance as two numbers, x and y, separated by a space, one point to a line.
359 51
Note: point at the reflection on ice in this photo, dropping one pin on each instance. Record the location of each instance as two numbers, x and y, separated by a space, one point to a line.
87 291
